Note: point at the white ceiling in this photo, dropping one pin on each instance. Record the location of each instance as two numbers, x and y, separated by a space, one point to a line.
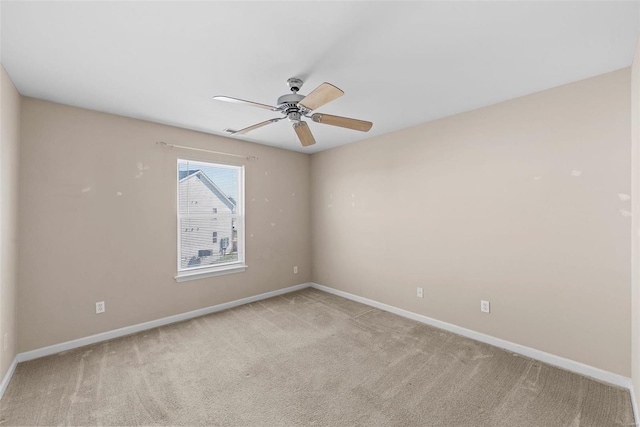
399 63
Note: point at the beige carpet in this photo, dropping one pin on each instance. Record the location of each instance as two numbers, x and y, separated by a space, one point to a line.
305 358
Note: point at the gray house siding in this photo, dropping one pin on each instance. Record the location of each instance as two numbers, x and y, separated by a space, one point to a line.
206 222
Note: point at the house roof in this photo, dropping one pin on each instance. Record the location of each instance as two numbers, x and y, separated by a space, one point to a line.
185 175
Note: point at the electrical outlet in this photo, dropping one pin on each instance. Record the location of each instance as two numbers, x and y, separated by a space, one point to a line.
485 306
5 342
100 308
420 293
295 269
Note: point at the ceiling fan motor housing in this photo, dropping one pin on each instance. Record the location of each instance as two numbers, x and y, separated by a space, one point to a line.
290 99
288 104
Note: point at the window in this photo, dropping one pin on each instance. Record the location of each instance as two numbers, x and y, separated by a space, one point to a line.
210 219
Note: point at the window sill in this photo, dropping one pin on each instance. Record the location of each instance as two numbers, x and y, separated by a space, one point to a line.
202 274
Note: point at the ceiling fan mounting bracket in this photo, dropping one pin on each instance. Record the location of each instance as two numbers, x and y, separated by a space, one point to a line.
294 84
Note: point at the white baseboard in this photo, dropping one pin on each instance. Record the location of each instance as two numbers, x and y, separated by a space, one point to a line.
7 376
634 405
551 359
128 330
542 356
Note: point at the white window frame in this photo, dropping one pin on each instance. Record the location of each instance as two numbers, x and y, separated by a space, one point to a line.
201 272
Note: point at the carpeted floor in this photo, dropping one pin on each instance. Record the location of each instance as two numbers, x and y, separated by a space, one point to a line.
305 358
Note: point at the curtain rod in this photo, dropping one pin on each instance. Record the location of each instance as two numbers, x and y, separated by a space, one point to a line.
172 146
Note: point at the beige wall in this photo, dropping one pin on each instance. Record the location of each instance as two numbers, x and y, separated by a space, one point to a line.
484 205
81 243
635 228
9 141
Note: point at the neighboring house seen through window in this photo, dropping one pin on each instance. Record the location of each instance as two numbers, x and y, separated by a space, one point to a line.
210 219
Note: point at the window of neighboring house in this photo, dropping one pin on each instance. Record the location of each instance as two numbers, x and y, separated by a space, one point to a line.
210 219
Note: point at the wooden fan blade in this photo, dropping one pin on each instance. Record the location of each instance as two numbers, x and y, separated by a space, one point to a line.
321 95
343 122
304 134
256 126
242 101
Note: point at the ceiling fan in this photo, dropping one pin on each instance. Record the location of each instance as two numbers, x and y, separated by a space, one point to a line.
294 106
